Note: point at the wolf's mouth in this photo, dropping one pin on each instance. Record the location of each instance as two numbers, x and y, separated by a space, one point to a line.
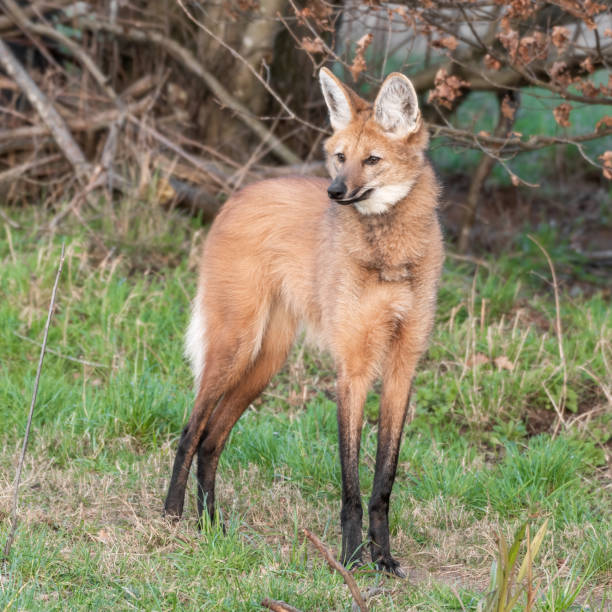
354 198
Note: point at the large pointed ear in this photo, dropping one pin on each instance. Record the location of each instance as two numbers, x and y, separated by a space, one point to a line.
337 99
396 108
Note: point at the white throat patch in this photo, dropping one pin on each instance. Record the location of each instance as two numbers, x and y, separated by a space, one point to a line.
384 198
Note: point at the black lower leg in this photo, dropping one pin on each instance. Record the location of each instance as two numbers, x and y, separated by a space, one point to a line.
188 444
389 438
207 471
180 472
349 436
379 519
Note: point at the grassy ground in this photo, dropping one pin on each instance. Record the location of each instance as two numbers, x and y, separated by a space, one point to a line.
484 449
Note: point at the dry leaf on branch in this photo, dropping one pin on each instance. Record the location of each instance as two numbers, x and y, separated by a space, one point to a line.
560 37
448 42
587 88
359 63
520 9
312 45
606 159
320 12
507 108
587 65
447 88
562 113
510 41
560 74
603 122
532 47
491 63
583 9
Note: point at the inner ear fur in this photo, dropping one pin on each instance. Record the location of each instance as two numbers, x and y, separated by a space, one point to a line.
338 98
396 108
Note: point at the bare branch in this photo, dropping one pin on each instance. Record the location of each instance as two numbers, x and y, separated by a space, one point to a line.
188 60
76 50
47 112
277 606
338 567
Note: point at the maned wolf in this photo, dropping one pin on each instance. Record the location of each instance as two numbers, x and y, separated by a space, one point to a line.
356 262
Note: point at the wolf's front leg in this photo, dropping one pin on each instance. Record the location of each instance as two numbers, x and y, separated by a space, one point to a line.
393 409
351 398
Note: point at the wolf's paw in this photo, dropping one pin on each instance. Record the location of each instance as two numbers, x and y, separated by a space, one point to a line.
172 511
390 566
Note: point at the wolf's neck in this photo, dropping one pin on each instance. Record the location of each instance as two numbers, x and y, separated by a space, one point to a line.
400 236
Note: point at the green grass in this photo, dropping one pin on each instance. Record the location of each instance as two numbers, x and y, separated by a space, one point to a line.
484 449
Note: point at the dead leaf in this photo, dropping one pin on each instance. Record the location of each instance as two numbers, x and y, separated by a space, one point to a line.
312 45
560 36
562 113
587 88
510 41
447 88
491 63
319 11
603 122
477 359
587 65
359 63
448 42
532 47
103 536
560 74
606 159
503 363
507 108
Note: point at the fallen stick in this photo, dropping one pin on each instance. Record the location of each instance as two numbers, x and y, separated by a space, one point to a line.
14 173
335 565
45 109
277 606
11 535
21 138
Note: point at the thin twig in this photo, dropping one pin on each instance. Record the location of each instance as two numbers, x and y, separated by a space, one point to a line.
335 565
11 536
9 221
91 364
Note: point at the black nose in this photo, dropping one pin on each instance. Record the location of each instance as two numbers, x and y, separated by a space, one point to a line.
337 189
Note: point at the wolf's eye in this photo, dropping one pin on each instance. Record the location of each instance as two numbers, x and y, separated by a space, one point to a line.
371 161
340 157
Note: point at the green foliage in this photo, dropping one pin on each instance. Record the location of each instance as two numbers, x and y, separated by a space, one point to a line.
503 594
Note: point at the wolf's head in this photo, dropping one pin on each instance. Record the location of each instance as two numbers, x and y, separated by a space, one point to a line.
376 152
